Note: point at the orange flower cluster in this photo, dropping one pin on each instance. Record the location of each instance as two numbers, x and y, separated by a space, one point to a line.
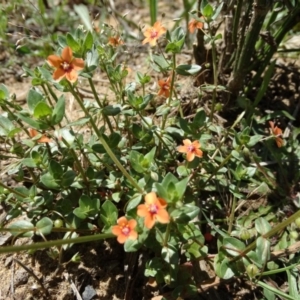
66 65
277 132
153 210
194 24
33 133
153 33
192 149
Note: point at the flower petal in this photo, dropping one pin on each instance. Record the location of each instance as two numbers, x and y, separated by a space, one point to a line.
78 64
133 235
196 144
44 139
122 221
182 149
32 132
162 216
72 76
132 224
149 221
162 202
187 142
122 238
142 210
150 198
67 55
116 230
54 61
190 156
58 74
198 152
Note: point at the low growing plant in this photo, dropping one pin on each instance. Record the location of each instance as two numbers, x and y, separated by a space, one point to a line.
146 174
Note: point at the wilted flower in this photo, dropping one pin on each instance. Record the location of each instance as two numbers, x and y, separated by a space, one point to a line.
277 132
115 41
191 149
194 24
43 139
66 65
153 33
125 230
164 87
153 210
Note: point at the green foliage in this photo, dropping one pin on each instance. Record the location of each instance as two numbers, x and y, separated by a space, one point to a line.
146 143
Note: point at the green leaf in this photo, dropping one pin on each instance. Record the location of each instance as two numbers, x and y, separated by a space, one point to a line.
136 159
254 140
263 249
187 70
88 41
80 213
132 245
22 228
92 58
199 119
112 110
49 182
207 11
108 213
161 190
67 178
4 93
55 169
223 268
262 226
175 47
84 15
169 254
134 202
72 43
233 246
160 64
5 126
42 110
33 98
91 206
44 226
185 213
58 111
181 187
28 162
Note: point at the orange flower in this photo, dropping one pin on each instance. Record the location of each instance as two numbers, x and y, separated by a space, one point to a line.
153 33
66 65
152 210
164 87
43 139
125 230
115 41
277 132
191 149
194 24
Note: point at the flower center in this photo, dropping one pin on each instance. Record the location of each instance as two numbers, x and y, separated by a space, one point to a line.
153 209
66 66
126 230
154 34
190 148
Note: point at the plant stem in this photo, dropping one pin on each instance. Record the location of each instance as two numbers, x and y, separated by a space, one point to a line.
12 190
100 104
103 142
